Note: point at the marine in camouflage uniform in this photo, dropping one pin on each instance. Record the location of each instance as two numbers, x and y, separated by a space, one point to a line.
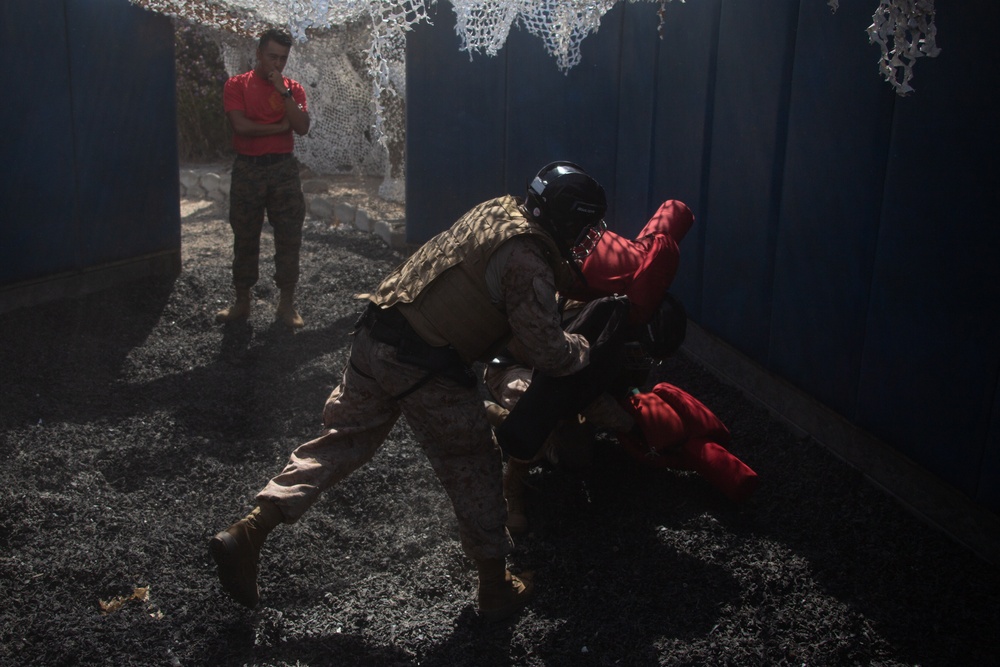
447 418
278 190
487 282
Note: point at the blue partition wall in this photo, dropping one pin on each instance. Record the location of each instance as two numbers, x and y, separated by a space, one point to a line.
845 238
825 231
91 175
38 196
931 358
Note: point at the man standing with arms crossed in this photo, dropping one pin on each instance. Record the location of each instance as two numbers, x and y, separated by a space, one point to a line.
264 108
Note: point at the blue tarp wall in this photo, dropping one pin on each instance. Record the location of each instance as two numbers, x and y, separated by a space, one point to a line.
846 239
89 153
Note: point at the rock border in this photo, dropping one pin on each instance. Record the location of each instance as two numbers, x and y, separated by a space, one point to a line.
213 183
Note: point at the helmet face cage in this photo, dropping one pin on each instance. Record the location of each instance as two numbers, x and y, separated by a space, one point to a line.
587 240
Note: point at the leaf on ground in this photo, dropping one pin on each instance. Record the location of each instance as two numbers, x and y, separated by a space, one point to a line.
139 594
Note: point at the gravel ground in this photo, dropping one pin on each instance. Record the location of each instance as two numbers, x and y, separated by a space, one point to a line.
133 428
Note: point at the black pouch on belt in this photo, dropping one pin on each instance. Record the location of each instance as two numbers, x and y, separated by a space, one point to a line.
441 361
388 325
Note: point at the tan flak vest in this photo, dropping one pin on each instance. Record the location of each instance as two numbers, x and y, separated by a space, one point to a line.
441 289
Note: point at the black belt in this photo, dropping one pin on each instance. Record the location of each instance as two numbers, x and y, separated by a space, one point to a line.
387 325
265 160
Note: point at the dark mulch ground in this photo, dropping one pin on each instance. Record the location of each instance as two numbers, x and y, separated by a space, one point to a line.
133 428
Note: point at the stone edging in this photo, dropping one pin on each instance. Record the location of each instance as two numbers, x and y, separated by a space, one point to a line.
212 183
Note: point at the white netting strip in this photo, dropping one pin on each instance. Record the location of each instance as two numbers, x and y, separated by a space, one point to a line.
483 25
350 56
904 31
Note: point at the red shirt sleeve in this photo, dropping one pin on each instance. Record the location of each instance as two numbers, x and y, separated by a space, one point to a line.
232 95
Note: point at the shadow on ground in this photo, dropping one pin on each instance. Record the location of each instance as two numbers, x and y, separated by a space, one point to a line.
133 428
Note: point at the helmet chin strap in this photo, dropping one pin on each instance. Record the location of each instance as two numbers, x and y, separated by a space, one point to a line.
579 272
567 252
564 249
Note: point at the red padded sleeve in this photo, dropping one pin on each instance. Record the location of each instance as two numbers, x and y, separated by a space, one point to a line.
678 431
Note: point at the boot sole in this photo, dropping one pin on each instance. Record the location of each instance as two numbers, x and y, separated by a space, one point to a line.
222 547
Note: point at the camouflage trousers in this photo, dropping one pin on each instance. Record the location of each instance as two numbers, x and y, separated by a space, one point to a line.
449 422
276 190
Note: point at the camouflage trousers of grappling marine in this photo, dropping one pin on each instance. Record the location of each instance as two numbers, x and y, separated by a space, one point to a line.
449 422
277 191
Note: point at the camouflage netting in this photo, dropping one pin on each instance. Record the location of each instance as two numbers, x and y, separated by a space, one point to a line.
342 137
905 31
351 57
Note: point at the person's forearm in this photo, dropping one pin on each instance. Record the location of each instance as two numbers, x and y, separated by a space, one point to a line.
249 128
538 338
297 119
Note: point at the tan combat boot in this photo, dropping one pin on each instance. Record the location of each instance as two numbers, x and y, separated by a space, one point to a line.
240 310
286 309
514 476
607 413
495 413
501 594
236 551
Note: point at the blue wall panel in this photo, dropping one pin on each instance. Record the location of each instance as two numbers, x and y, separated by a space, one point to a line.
455 118
636 107
932 354
481 127
93 175
557 116
124 107
988 491
831 201
38 233
756 43
685 89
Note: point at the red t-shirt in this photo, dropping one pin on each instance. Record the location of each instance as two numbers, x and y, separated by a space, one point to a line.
261 103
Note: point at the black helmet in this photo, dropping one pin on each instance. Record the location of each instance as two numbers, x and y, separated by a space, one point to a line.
666 329
566 201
